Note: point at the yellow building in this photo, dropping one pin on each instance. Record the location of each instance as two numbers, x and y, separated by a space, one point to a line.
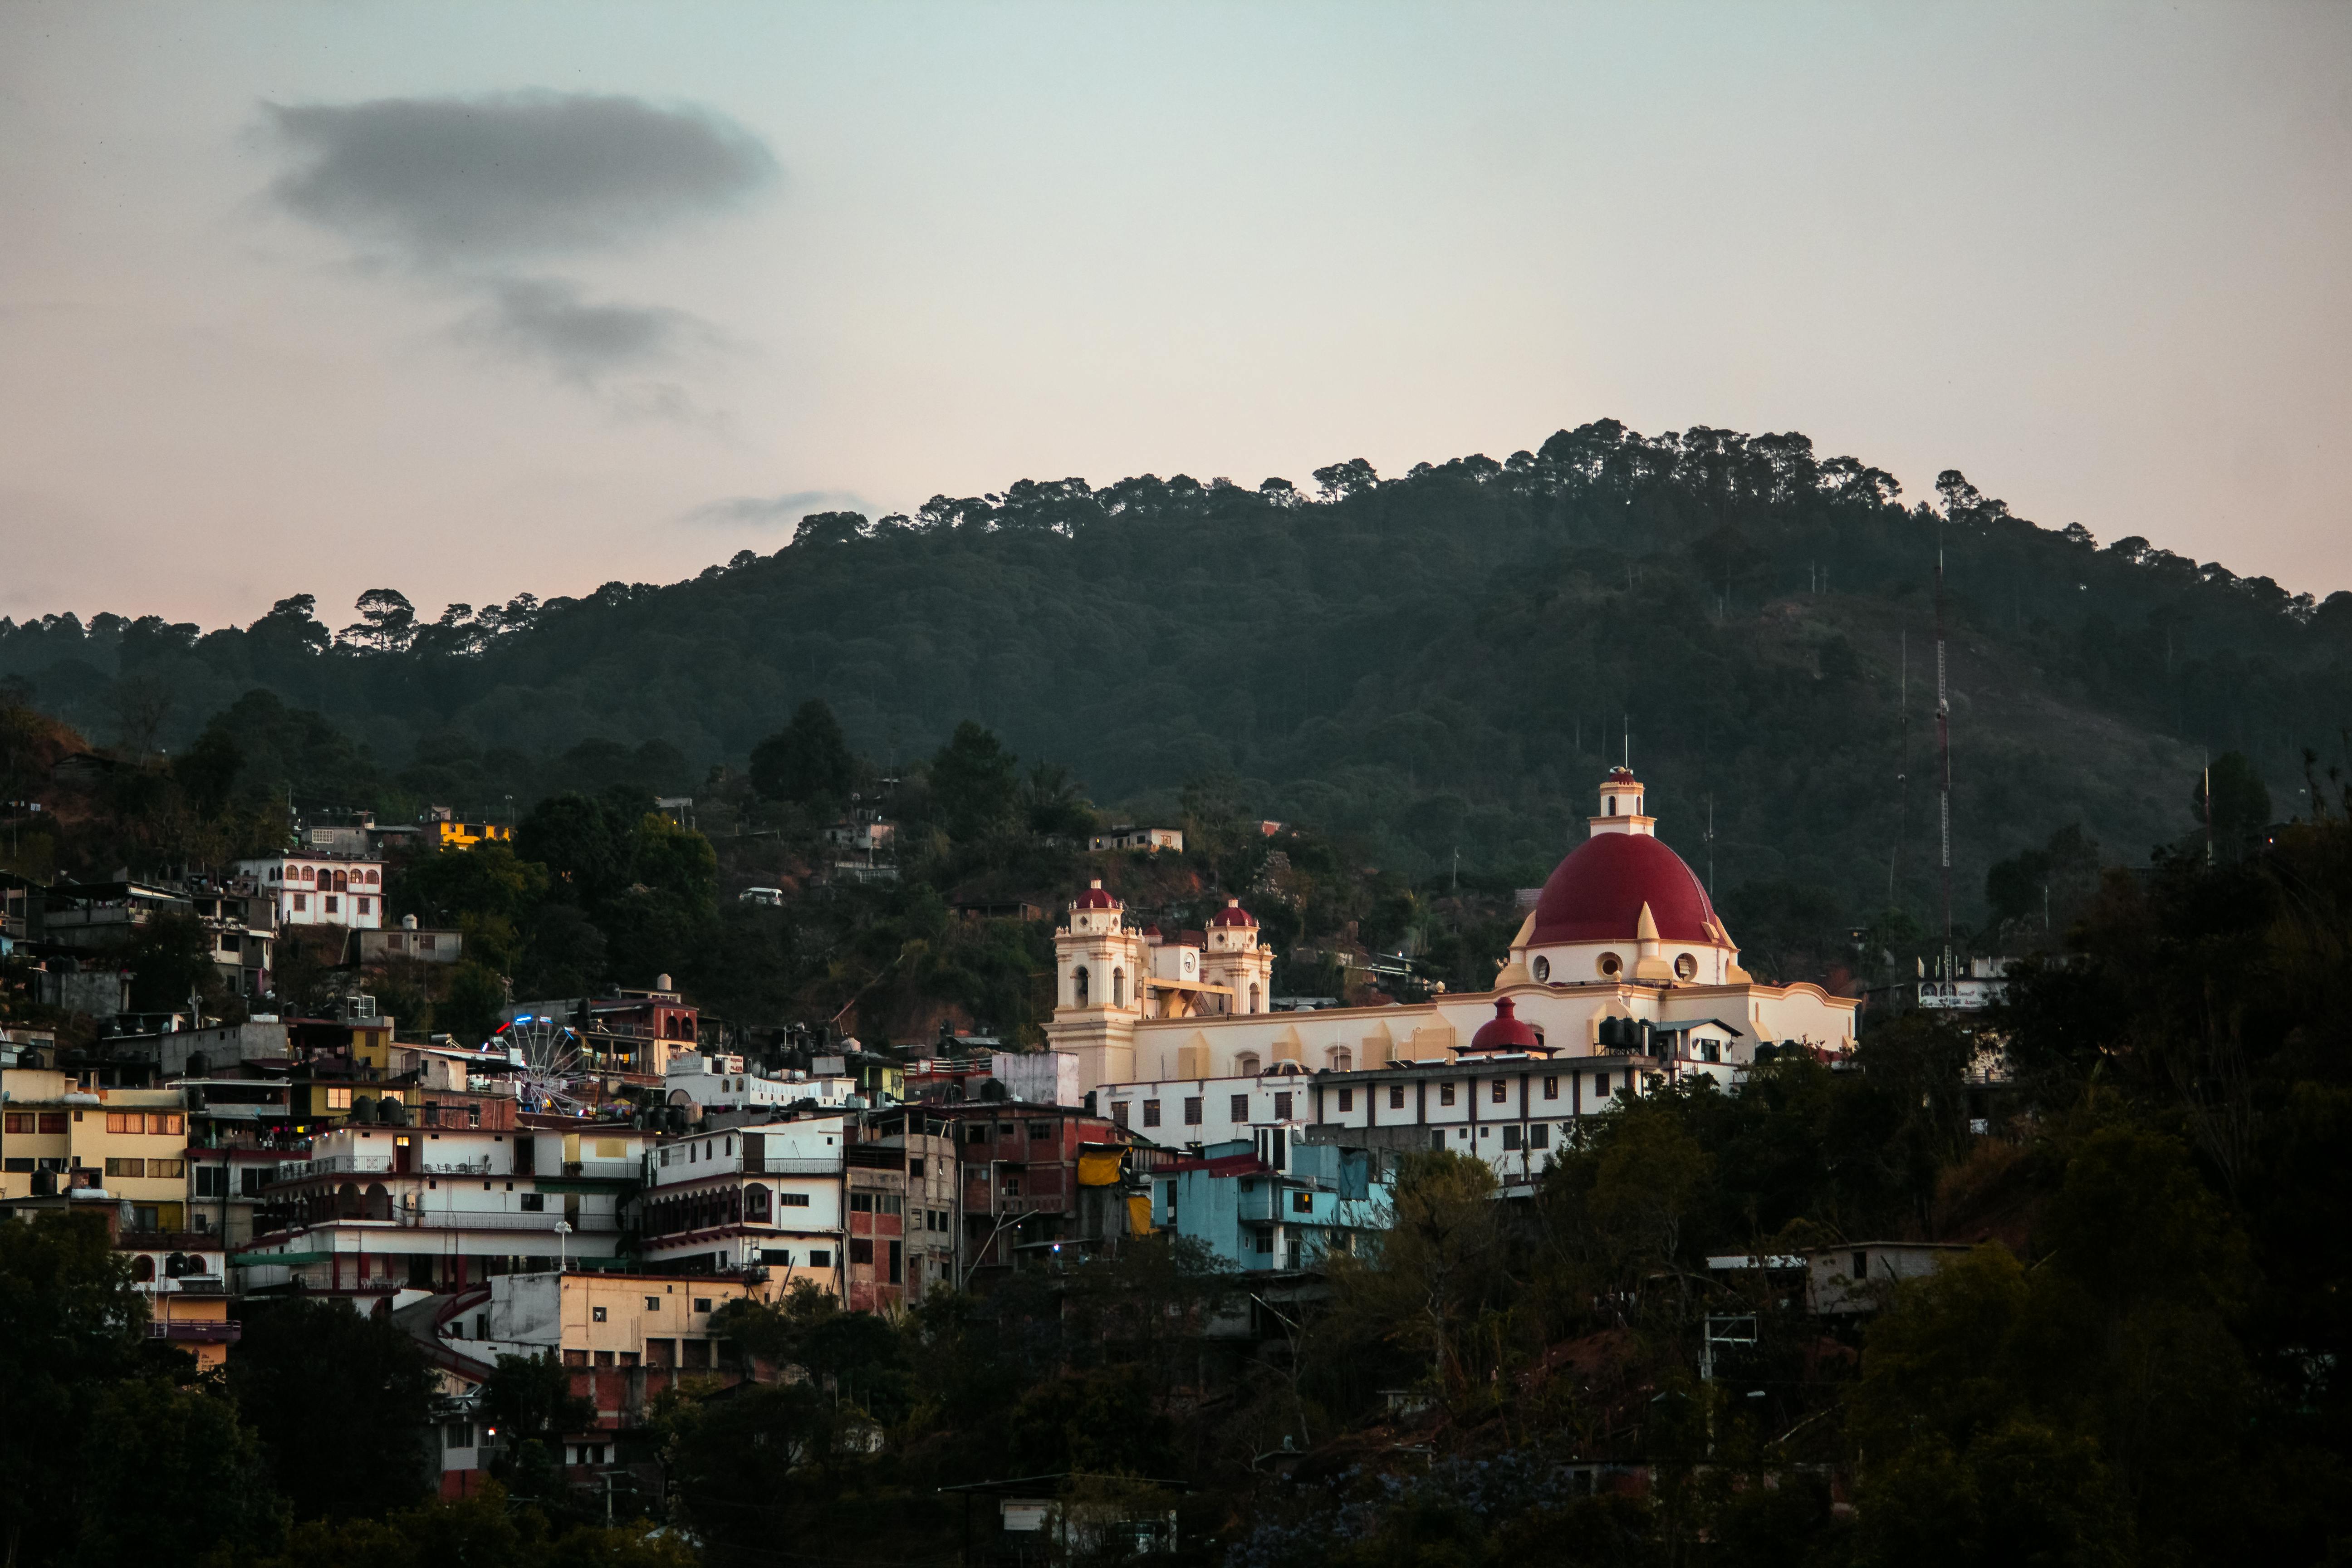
131 1144
450 834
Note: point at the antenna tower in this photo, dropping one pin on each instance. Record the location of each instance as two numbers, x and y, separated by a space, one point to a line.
1903 768
1944 755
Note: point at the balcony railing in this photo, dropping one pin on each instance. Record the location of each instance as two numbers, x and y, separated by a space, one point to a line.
379 1165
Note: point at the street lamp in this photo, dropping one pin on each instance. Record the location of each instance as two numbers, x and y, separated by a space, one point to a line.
562 1247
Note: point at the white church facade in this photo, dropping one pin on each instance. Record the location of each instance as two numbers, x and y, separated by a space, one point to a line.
1622 979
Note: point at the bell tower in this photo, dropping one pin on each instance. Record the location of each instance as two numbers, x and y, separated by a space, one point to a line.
1237 960
1098 971
1620 805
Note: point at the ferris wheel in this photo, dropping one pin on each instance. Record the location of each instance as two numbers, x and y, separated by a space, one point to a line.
549 1054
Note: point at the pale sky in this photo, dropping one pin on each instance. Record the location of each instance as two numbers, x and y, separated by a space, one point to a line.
474 300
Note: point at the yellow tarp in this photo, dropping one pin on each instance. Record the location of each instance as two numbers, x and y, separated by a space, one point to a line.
1139 1216
1097 1170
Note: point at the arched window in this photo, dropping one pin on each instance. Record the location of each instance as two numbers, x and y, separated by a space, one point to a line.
1686 966
343 882
1253 997
347 1201
142 1268
1611 807
379 1202
1542 968
1246 1064
755 1204
1078 981
1339 1058
1119 987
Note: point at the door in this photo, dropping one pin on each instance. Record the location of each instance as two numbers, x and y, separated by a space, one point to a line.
404 1157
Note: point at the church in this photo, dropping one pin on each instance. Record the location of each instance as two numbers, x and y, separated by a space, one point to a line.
1622 980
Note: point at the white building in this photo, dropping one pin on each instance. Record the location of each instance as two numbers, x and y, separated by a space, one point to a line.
1621 979
718 1082
747 1197
322 889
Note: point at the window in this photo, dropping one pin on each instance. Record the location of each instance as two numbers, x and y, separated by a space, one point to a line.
1338 1058
457 1435
1012 1185
820 1257
1551 1088
861 1203
1193 1111
361 905
1510 1137
1539 1135
166 1170
339 1099
1541 969
1119 987
249 1180
1601 1086
1862 1265
301 902
1502 1092
53 1121
1151 1113
1245 1065
1445 1094
1118 1112
168 1123
126 1167
915 1167
1041 1132
534 1203
212 1181
1079 980
1302 1203
1610 965
1265 1241
1347 1099
334 905
861 1251
17 1121
889 1202
1282 1106
1240 1108
702 1304
1437 1139
793 1200
124 1121
976 1132
1396 1096
652 1303
1253 997
596 1314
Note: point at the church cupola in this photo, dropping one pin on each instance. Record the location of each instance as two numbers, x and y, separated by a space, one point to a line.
1620 805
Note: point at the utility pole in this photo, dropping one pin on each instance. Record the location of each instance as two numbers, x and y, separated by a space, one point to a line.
1710 845
1903 768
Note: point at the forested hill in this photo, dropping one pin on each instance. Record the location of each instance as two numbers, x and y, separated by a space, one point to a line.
1435 663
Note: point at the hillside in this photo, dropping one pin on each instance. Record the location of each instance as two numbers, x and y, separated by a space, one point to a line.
1435 664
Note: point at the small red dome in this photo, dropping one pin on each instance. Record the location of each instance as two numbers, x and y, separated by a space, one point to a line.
1232 914
1597 894
1094 898
1505 1031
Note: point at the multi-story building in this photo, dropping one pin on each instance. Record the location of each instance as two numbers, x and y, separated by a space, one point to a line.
321 888
719 1082
1037 1177
377 1209
411 942
1275 1201
772 1195
60 1136
627 1039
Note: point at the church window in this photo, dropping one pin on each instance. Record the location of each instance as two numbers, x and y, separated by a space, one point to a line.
1611 966
1078 981
1339 1058
1246 1064
1542 969
1253 997
1119 987
1686 966
1611 808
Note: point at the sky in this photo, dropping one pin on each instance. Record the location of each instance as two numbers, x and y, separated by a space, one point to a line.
475 300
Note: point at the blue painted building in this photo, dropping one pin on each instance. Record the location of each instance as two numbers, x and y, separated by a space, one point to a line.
1275 1202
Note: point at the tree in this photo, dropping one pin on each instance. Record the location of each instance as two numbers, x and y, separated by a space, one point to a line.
170 960
387 621
341 1402
974 787
70 1324
165 1463
574 837
207 771
807 761
478 995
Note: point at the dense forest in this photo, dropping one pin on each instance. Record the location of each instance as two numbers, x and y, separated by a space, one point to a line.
2136 1359
1432 667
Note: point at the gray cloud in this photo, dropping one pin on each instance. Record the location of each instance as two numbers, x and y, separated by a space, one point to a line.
450 179
545 318
774 511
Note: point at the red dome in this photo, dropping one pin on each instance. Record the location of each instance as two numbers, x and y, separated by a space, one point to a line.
1597 894
1094 898
1232 914
1504 1032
